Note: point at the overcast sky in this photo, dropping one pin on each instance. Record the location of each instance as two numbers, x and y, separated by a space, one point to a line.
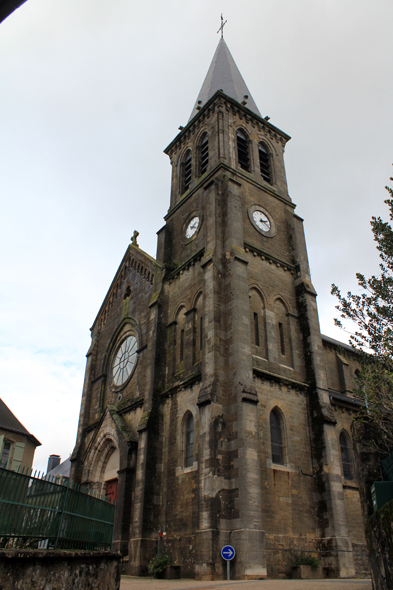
92 91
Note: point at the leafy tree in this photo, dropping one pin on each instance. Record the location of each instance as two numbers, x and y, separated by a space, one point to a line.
372 314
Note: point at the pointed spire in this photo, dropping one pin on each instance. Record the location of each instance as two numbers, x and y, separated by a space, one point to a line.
224 75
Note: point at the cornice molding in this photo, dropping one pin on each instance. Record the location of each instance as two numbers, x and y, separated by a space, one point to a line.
265 256
182 385
237 177
178 271
269 376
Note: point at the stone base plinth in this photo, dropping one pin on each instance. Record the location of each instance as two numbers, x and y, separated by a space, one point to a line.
306 572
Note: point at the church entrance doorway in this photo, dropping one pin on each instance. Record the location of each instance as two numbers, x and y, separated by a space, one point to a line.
111 490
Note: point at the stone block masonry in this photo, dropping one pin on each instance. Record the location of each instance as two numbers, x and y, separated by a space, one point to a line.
60 570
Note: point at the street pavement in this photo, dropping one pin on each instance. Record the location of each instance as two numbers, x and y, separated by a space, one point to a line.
134 583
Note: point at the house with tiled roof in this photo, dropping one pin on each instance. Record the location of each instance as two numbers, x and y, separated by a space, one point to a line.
17 445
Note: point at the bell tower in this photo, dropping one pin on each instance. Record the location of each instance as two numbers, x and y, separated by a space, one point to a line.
241 307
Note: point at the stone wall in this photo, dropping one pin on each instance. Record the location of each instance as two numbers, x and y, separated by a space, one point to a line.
79 570
361 559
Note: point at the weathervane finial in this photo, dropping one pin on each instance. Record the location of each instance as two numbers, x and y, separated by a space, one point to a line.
222 27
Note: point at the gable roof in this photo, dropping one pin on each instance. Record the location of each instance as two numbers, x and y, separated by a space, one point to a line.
338 344
134 259
224 75
11 423
63 469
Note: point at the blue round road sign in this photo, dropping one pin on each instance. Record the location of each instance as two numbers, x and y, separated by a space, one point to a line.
228 552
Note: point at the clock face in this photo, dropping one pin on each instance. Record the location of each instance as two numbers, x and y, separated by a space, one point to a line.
261 220
124 360
192 227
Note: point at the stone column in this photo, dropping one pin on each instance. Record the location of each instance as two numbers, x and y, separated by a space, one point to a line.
137 548
210 393
247 535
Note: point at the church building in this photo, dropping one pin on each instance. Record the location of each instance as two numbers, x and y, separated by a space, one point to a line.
213 410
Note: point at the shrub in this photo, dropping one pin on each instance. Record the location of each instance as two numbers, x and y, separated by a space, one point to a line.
158 564
301 558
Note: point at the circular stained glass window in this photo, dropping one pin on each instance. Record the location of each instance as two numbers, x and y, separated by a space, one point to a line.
124 361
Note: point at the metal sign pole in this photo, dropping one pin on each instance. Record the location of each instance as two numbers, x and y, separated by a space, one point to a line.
228 553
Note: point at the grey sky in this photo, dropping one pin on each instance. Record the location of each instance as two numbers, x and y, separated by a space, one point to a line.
93 91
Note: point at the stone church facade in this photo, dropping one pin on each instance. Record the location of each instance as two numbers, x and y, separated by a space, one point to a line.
213 409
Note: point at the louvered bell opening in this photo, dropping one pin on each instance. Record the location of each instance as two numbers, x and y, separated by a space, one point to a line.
204 154
187 172
242 151
264 163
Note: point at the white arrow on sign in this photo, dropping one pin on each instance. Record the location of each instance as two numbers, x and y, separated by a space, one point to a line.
227 552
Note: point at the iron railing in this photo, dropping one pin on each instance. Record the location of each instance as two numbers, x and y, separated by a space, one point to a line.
46 513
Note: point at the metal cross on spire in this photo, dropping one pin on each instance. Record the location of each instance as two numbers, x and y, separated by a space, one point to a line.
222 27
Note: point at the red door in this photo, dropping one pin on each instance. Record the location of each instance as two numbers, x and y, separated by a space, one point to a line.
111 490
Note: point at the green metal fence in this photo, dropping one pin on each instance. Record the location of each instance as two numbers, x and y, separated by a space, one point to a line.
43 513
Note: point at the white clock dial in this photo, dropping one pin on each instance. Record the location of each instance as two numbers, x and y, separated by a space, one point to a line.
124 361
192 227
261 220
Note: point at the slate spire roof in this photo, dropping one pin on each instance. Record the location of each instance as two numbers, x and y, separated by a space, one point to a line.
224 75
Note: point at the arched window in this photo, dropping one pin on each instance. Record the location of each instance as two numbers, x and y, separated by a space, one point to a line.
346 458
257 323
243 156
179 341
264 162
283 334
198 330
189 441
276 437
204 153
187 171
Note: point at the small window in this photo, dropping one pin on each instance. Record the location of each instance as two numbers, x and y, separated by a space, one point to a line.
257 323
242 150
276 437
346 458
174 343
204 153
189 458
5 454
181 345
282 340
264 162
256 329
187 171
